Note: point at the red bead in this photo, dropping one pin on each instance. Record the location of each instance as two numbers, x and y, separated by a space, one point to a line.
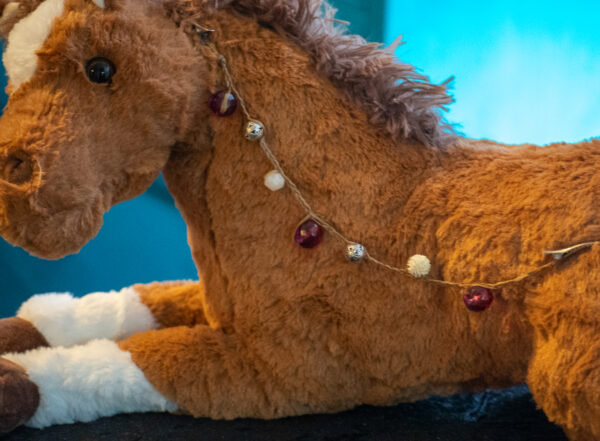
223 103
309 234
478 298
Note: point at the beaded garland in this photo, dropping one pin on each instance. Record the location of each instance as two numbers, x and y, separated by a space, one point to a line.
309 234
223 103
478 297
274 181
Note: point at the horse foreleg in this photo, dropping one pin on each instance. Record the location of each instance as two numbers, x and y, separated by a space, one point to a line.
564 377
76 384
64 320
175 303
198 370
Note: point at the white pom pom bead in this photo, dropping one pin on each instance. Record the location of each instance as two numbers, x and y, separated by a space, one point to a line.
418 266
274 181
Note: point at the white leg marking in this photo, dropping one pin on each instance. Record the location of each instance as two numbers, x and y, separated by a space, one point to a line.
68 321
26 38
87 382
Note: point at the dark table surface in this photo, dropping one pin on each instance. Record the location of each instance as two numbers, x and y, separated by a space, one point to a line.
507 415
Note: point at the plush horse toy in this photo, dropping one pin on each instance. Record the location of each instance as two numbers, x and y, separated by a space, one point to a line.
338 226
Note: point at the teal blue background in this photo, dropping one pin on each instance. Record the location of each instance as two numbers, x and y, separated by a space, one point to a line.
525 71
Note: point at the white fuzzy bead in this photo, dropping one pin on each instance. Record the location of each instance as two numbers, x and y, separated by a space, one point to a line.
418 265
274 181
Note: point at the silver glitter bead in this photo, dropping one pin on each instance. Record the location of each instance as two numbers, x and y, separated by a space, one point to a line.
355 252
255 130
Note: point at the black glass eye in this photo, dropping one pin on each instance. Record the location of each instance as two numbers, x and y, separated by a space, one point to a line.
100 70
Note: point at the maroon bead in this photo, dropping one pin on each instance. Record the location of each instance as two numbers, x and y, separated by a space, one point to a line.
223 103
309 234
478 298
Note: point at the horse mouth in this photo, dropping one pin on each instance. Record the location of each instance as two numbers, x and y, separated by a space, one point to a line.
53 236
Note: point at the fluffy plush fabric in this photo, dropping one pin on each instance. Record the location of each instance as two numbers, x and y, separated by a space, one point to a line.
18 335
275 329
67 321
87 382
391 92
9 12
13 12
19 398
26 38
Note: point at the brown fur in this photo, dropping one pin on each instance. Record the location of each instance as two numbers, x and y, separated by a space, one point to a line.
391 92
290 330
18 335
19 397
25 8
174 303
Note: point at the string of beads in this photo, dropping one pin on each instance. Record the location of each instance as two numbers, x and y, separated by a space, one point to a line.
479 293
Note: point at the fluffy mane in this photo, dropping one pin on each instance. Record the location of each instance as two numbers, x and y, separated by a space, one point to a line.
405 102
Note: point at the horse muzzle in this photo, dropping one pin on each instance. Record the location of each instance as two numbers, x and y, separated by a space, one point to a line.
17 168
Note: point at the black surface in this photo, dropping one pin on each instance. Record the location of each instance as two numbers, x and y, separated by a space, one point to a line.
508 415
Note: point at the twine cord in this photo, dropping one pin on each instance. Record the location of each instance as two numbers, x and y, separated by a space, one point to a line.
337 234
273 159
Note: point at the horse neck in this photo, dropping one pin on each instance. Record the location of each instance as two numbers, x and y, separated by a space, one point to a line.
349 170
317 133
352 172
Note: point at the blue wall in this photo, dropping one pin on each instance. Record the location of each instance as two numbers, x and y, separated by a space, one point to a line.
525 70
142 240
365 17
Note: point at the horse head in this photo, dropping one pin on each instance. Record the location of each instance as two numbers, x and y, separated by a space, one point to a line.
99 92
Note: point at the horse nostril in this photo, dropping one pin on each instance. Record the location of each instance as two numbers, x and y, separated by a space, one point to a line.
18 169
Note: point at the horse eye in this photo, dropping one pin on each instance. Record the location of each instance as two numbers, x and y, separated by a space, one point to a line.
100 70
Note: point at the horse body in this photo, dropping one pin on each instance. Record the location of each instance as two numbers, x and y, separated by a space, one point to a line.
273 329
245 228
